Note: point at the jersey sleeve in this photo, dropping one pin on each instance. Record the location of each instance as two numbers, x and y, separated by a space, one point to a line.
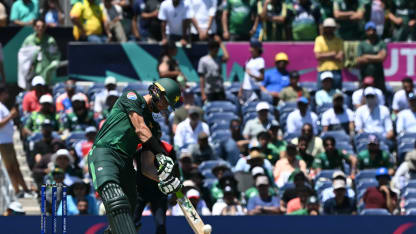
130 103
162 12
76 10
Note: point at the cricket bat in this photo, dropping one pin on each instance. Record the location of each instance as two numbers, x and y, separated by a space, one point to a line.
191 215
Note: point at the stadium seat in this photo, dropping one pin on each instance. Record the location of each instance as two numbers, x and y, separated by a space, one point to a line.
208 174
287 107
406 137
58 88
93 90
375 212
344 146
411 184
219 106
410 204
249 107
338 135
324 174
234 87
208 165
365 174
364 185
403 148
220 136
411 211
209 182
74 137
409 194
321 187
290 136
312 87
219 126
349 87
322 108
220 117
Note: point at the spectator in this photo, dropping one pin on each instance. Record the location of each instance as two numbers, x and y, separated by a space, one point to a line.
254 159
204 25
326 94
329 192
239 20
274 14
80 191
24 12
313 143
254 73
304 155
176 16
405 30
168 67
145 23
326 8
271 153
81 117
63 160
381 11
371 55
333 158
329 51
297 118
31 98
341 204
311 208
114 14
3 16
210 71
406 171
284 168
64 103
47 111
194 197
230 149
298 205
181 113
293 91
89 22
8 154
202 151
339 117
305 20
349 14
381 196
185 166
47 55
253 191
300 181
276 145
83 147
111 99
53 14
277 78
373 157
187 131
217 189
263 203
400 98
101 97
14 209
259 124
358 97
372 117
228 205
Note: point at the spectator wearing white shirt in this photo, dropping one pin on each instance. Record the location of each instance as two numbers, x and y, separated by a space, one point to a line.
400 97
406 119
324 96
373 117
297 118
358 97
406 171
259 124
254 73
175 16
204 15
101 97
338 117
188 130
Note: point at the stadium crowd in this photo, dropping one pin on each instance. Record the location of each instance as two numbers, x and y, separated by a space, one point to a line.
267 145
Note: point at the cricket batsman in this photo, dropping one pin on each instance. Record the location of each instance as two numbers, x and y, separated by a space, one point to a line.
110 161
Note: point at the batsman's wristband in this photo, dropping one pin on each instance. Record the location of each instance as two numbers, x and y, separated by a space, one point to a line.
153 145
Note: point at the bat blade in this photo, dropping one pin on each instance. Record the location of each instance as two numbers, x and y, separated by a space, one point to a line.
190 213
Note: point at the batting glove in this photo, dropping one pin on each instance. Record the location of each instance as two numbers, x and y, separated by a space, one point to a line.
171 185
165 166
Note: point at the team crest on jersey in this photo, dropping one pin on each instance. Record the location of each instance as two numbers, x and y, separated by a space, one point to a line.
131 96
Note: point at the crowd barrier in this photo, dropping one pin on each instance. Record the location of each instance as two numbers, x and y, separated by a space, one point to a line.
237 225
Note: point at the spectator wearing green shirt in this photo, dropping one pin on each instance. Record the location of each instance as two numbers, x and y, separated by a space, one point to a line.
303 153
305 19
81 117
270 152
253 191
405 27
326 9
349 14
239 20
273 14
374 157
275 143
371 54
333 158
24 12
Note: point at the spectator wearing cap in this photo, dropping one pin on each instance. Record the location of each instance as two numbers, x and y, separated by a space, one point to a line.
304 17
187 131
239 20
83 147
373 117
284 168
263 203
110 84
277 78
24 12
210 71
292 92
254 158
341 204
175 17
81 117
47 111
333 158
300 181
381 196
313 143
253 191
329 51
329 192
302 115
259 124
229 204
273 14
64 101
63 160
194 197
400 98
254 73
339 117
349 15
79 191
373 157
371 55
406 120
270 152
405 172
46 59
15 208
31 98
358 97
231 149
202 150
325 95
